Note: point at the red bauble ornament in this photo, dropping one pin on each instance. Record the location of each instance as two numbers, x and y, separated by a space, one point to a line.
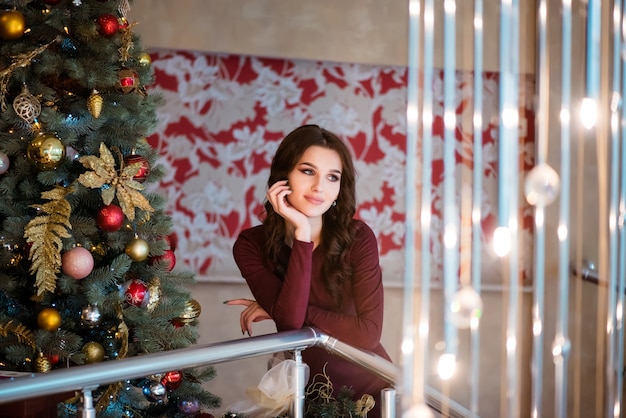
168 259
172 240
127 80
172 380
110 218
53 358
109 24
144 169
136 293
123 23
77 263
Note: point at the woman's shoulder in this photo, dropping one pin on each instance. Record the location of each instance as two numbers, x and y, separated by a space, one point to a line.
360 228
254 233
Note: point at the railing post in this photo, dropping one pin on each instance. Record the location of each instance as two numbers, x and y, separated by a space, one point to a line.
87 410
298 400
388 403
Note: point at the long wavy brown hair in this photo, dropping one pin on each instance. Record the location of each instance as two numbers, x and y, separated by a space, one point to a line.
337 229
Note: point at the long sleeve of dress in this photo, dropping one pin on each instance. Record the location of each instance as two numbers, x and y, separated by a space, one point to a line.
284 300
360 322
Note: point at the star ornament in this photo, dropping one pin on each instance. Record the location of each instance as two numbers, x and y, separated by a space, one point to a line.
104 175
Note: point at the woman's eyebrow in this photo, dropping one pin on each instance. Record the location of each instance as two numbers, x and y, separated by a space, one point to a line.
332 170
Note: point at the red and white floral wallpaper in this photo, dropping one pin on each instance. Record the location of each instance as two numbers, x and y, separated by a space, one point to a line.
225 115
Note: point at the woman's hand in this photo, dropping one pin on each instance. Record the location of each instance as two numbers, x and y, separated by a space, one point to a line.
252 313
277 196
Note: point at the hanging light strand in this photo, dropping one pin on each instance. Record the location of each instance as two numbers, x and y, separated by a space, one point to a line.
477 197
412 350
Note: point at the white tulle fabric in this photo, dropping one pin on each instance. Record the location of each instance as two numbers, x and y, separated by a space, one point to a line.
274 394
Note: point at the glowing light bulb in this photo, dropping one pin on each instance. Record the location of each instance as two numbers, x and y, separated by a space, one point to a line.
502 241
588 112
447 366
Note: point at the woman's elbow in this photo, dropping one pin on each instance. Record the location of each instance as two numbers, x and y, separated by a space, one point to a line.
289 322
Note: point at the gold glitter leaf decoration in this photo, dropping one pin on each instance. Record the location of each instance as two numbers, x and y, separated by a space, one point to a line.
46 232
22 333
103 175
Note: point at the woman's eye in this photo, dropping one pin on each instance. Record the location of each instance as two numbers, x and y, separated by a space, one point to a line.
333 178
307 171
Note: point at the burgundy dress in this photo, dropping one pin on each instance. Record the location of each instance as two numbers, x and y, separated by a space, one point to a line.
300 300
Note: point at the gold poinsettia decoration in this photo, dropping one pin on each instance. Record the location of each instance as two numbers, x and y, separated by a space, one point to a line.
104 176
45 232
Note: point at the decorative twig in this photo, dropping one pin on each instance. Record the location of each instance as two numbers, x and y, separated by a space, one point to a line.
20 60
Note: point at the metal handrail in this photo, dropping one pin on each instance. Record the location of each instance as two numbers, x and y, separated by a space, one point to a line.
90 376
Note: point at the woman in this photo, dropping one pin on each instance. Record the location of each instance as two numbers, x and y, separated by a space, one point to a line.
310 263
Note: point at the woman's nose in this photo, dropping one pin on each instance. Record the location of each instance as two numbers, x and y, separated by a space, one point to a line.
318 185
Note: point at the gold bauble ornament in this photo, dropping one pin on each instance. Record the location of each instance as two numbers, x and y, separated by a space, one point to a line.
191 312
46 151
49 319
144 59
12 25
42 364
94 104
137 249
93 351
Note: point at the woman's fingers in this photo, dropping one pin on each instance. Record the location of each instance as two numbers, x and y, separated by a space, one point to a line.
253 313
240 301
277 193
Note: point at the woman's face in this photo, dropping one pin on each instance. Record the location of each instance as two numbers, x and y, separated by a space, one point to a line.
315 181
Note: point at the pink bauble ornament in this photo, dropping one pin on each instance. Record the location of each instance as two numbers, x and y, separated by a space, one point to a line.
136 293
4 163
77 263
110 218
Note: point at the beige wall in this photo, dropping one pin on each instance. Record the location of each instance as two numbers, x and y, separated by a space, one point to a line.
375 32
359 31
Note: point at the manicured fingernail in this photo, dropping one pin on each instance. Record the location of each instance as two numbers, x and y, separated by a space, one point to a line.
243 332
226 301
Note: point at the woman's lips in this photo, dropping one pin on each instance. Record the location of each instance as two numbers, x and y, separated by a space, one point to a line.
314 200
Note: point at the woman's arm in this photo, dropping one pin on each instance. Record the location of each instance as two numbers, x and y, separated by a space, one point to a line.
360 324
284 300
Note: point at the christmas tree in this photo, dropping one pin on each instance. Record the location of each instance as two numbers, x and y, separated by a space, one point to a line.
87 258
